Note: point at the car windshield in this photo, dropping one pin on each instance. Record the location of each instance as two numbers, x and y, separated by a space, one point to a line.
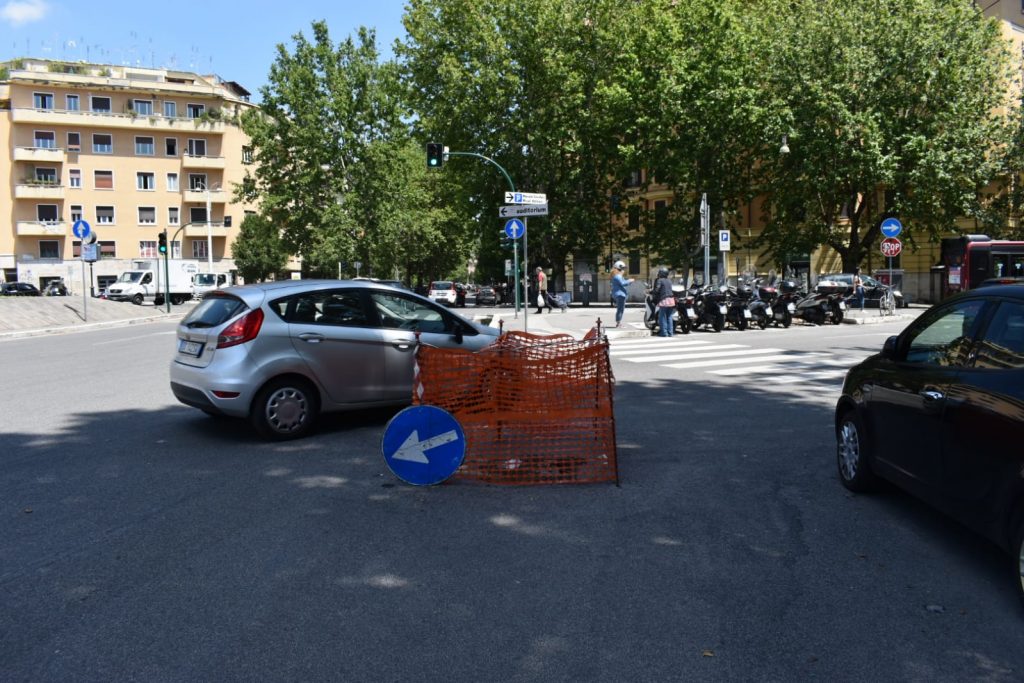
130 276
205 279
213 311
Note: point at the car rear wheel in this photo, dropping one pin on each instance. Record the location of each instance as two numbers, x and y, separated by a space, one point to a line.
852 454
284 409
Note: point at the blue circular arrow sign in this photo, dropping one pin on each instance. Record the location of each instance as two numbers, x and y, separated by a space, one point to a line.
891 227
82 229
514 228
423 445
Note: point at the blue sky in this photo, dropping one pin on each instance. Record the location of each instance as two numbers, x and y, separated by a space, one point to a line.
234 40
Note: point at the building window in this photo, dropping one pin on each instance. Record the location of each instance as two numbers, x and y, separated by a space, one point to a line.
75 177
197 214
42 100
105 215
634 217
47 213
71 103
196 147
172 215
634 262
634 179
76 213
46 176
171 147
199 249
44 139
197 181
49 249
195 110
102 143
147 249
247 155
103 180
660 214
143 107
74 142
100 105
171 110
144 146
147 215
145 181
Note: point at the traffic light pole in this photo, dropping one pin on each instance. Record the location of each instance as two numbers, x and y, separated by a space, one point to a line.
167 274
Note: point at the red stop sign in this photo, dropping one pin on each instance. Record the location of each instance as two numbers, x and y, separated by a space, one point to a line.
891 247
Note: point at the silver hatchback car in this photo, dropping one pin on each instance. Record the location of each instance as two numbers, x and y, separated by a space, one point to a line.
281 353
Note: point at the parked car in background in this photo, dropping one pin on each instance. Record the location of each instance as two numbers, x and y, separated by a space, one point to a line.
443 291
940 413
873 289
486 296
19 289
282 353
56 288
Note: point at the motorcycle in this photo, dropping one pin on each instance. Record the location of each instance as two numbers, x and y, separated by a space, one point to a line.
738 306
761 299
710 306
56 288
820 307
686 308
784 307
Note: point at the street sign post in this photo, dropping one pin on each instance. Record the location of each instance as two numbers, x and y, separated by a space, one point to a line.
511 210
423 445
525 198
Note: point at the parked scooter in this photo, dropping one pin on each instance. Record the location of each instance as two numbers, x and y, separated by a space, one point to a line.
56 288
761 299
819 308
686 308
711 308
784 307
738 306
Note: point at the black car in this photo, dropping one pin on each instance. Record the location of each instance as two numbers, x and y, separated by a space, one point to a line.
486 296
873 289
19 289
940 413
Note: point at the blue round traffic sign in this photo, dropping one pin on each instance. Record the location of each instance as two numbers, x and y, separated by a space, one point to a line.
423 445
81 229
891 227
514 228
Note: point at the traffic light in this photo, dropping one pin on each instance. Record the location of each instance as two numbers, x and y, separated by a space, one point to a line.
162 245
435 155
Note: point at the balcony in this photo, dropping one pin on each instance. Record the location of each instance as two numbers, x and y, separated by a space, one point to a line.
216 229
216 196
47 155
195 161
86 119
41 229
35 190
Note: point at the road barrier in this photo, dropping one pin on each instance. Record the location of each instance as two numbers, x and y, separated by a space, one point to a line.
535 409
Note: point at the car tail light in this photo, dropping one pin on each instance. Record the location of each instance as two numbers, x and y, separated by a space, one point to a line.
242 330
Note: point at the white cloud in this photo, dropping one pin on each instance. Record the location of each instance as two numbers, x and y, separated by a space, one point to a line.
18 12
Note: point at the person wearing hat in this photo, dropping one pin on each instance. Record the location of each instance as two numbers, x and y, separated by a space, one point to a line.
619 293
666 302
542 288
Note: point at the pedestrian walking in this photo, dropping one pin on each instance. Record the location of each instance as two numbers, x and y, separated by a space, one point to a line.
666 302
858 288
542 289
619 293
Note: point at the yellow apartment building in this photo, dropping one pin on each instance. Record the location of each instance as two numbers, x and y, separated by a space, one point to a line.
130 152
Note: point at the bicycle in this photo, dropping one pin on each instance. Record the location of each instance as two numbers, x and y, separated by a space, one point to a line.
887 303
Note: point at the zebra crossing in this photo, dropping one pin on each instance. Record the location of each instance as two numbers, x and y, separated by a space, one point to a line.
725 358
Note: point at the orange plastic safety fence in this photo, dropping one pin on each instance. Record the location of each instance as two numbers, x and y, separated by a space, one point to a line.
535 409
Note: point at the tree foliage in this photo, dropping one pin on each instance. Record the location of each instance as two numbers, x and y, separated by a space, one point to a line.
258 250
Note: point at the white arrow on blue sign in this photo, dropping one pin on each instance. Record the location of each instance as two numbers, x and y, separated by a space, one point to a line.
423 445
514 228
81 229
891 227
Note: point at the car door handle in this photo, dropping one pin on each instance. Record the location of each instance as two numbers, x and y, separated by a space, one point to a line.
404 344
311 337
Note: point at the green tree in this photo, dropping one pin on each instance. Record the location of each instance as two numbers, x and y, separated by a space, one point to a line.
892 107
258 250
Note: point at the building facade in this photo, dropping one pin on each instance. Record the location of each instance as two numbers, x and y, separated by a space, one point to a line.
129 151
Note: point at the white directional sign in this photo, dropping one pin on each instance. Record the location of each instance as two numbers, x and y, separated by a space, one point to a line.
525 198
523 210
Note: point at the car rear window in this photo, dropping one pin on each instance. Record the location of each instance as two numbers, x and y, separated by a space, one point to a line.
441 285
213 311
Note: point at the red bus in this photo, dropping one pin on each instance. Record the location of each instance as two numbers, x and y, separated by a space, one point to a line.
972 259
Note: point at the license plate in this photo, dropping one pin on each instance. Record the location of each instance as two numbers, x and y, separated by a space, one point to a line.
690 313
842 305
722 309
190 348
791 308
746 313
768 311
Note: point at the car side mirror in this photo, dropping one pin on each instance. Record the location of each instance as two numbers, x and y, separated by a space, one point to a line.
889 348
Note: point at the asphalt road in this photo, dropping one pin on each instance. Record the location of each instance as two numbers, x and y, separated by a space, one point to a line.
143 540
